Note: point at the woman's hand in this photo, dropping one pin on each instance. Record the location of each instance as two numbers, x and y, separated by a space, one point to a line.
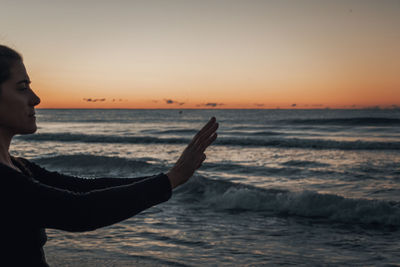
193 155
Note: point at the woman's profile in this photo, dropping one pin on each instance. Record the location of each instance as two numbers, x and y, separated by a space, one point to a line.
33 198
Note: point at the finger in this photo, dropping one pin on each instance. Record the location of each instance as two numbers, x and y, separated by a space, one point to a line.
205 128
211 121
207 134
208 142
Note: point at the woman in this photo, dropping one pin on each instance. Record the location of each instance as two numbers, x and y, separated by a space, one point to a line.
33 198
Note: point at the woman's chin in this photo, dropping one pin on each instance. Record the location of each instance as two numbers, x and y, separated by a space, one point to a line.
29 130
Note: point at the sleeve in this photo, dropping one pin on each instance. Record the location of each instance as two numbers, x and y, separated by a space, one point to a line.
50 207
72 183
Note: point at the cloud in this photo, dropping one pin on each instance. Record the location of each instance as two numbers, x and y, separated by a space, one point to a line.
258 105
94 99
103 99
210 104
293 105
170 101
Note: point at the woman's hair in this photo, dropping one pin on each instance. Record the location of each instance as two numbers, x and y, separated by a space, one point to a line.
8 57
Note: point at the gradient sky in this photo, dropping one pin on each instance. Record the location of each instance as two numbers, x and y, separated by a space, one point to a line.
206 54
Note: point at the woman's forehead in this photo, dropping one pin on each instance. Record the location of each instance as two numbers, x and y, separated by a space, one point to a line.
18 71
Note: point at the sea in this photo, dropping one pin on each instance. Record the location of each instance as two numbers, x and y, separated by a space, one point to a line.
278 187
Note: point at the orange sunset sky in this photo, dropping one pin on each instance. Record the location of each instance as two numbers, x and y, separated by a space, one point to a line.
208 54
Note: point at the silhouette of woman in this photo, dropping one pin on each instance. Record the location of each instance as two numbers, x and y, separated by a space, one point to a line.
33 198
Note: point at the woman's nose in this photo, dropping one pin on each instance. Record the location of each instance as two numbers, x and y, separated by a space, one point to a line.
34 100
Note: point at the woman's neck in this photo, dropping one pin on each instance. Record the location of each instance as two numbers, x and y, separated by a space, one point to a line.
5 141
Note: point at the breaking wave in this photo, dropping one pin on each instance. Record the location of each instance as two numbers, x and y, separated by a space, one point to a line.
225 195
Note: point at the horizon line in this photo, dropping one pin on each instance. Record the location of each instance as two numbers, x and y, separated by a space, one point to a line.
327 108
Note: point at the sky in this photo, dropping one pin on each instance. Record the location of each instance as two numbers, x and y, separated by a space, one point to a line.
208 54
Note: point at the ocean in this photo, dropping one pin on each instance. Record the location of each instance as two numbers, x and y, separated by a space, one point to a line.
279 187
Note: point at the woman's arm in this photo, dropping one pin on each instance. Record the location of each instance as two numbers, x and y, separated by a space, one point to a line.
26 199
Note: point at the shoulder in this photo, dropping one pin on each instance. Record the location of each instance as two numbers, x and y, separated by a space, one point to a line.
24 165
20 161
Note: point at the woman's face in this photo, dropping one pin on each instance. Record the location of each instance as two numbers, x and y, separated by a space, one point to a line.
17 102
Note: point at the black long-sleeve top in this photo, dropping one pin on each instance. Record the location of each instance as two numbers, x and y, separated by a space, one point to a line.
35 199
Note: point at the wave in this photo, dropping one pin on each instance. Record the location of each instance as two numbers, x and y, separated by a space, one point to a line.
254 133
298 169
304 163
225 195
226 141
90 165
172 131
309 143
362 121
290 172
94 165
